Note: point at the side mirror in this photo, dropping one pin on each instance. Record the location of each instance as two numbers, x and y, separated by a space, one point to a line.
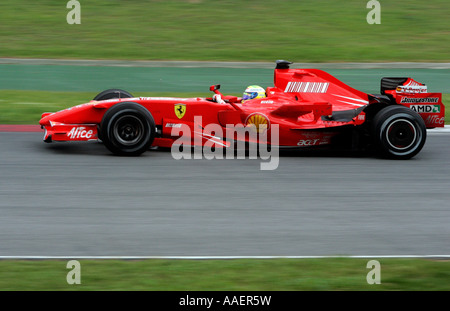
283 64
213 88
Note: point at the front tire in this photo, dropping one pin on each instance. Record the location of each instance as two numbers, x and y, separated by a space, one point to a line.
399 132
127 129
111 94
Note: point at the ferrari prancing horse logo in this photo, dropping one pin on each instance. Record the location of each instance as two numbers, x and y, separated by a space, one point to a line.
180 110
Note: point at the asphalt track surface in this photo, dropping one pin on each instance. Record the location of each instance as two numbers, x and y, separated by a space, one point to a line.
76 199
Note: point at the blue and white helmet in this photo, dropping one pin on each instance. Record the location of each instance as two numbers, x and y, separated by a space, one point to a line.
252 92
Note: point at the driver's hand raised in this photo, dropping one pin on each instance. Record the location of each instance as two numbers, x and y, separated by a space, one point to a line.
218 99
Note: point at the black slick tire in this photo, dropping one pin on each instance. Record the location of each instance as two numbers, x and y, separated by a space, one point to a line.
127 129
399 132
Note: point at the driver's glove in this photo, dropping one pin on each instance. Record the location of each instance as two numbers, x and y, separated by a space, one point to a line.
218 99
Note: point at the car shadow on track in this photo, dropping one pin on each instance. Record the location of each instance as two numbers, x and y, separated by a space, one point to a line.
76 148
327 153
98 149
294 152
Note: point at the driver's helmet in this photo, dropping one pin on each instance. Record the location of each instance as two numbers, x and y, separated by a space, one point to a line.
252 92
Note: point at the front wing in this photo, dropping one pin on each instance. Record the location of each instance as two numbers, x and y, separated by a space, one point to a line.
70 132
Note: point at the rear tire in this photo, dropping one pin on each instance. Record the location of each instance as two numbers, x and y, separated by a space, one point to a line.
112 93
399 132
127 129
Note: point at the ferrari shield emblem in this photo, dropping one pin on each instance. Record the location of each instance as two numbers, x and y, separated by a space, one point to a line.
180 110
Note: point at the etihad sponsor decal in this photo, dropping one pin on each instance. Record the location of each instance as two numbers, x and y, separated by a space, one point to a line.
307 87
426 108
80 132
425 100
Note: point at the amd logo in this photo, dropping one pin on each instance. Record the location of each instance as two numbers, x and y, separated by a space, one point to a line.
426 108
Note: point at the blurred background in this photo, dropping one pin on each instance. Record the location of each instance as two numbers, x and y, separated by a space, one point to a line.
228 30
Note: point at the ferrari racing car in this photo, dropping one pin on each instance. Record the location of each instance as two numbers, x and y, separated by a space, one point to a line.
309 107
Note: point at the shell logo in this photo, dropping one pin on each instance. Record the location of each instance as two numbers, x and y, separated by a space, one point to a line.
258 122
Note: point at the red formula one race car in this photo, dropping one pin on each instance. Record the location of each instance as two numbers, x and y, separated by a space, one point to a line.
306 107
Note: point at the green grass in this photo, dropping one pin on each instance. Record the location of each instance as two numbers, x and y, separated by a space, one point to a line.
245 30
26 107
227 275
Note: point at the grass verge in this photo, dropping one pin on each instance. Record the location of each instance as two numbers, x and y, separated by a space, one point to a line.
263 30
227 275
26 107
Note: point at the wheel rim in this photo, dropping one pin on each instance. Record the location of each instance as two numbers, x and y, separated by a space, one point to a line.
128 130
401 134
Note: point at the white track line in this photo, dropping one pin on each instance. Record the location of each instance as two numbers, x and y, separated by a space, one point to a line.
440 130
215 257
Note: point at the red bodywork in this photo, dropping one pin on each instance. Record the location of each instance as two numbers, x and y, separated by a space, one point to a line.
309 106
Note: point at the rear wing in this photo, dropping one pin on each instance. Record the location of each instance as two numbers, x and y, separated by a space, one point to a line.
414 95
314 85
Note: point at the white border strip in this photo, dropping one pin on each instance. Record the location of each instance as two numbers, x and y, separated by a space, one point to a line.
218 257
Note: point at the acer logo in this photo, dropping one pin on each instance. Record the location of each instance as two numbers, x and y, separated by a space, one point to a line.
80 132
308 142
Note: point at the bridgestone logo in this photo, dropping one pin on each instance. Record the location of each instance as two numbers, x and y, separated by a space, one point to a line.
426 100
